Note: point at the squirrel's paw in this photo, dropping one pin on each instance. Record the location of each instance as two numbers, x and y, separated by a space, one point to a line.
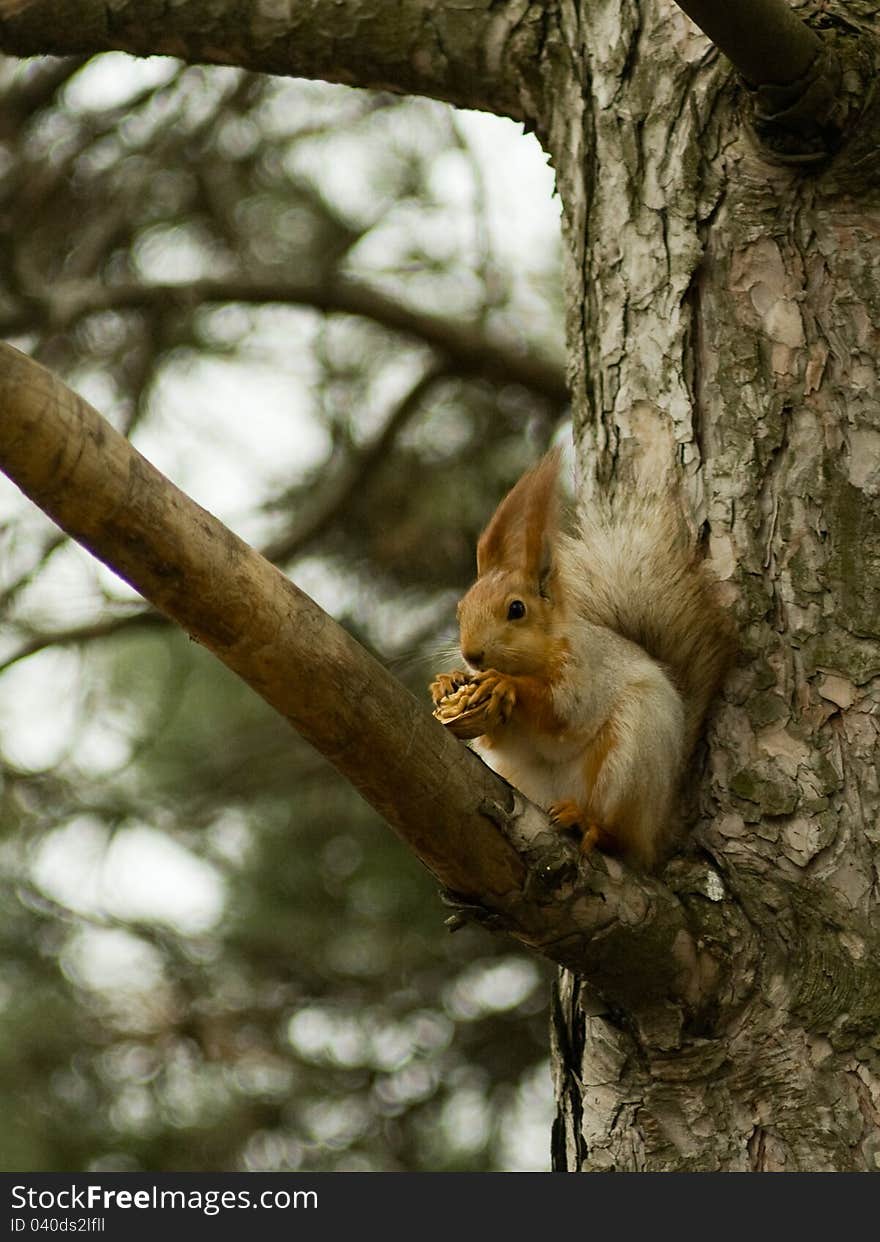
566 814
458 705
495 696
477 706
445 685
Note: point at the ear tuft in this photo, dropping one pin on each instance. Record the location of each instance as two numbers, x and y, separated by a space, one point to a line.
521 535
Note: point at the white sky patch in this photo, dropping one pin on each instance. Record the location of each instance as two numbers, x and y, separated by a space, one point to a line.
177 888
112 960
466 1118
39 706
101 746
219 425
111 79
524 1134
491 987
139 874
523 212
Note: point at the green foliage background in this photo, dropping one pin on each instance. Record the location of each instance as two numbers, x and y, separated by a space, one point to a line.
214 955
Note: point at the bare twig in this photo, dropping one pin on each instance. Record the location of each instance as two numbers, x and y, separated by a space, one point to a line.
78 635
354 476
24 579
465 345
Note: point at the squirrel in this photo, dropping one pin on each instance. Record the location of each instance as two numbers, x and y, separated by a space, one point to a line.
592 659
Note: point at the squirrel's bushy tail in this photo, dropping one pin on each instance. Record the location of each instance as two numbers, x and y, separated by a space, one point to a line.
636 570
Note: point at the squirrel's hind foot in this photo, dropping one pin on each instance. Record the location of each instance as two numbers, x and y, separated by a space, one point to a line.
569 817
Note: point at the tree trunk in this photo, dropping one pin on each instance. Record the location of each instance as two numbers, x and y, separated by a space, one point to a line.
723 317
723 312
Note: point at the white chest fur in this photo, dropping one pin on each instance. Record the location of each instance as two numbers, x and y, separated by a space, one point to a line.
544 769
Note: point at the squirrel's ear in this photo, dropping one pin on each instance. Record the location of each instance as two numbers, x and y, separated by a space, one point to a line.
522 533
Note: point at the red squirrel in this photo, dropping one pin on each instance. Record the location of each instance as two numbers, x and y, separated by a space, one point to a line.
592 658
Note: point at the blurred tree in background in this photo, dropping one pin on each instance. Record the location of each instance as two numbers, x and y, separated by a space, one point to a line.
294 299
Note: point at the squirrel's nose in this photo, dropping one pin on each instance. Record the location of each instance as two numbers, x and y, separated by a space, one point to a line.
474 658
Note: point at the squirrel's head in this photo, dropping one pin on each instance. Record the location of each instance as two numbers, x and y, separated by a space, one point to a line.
511 618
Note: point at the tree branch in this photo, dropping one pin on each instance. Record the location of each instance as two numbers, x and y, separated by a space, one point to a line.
802 105
354 477
496 853
480 55
79 635
330 502
764 39
466 345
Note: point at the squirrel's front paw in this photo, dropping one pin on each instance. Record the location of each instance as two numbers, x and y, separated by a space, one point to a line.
495 695
480 704
453 695
445 685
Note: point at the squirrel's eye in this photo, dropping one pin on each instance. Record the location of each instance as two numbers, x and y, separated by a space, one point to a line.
516 610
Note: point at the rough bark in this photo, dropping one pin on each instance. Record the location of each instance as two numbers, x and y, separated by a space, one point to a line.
478 54
764 39
806 92
723 315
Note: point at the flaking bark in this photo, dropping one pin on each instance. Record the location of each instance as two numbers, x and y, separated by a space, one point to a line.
722 323
481 54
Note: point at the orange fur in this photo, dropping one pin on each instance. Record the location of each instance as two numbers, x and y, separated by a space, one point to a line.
533 701
599 750
605 828
533 698
522 525
591 690
597 837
